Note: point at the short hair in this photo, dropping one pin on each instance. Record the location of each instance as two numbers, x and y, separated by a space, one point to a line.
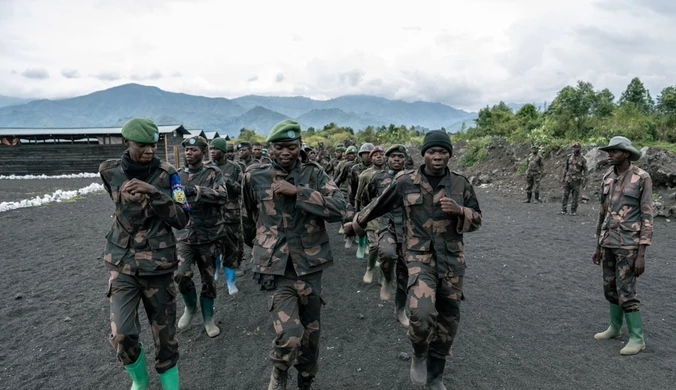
256 144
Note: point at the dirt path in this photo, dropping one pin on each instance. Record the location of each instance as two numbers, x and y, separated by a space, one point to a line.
534 300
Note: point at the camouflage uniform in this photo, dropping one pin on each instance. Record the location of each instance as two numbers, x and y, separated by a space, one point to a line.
342 173
232 176
574 178
533 173
140 255
332 167
353 181
290 250
372 227
200 241
434 250
625 222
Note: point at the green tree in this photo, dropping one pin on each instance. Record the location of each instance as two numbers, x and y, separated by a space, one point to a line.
604 105
637 95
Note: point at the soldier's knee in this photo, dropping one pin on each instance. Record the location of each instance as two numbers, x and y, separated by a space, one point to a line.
183 282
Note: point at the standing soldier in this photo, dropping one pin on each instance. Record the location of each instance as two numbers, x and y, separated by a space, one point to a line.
533 174
200 241
340 177
439 206
140 252
390 233
353 184
377 157
574 178
257 151
285 207
624 230
244 152
331 169
229 151
232 176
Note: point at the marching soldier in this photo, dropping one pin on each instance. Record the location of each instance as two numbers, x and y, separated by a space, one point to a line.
377 157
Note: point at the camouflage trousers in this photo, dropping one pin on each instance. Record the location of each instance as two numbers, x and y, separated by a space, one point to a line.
372 237
533 182
295 307
205 256
231 246
158 294
433 309
391 255
571 188
619 282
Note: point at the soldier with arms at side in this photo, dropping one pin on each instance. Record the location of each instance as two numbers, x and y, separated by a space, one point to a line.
439 207
200 241
377 156
624 231
331 168
533 174
285 207
574 178
342 170
140 252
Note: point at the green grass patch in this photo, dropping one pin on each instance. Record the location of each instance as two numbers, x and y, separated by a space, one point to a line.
522 166
475 152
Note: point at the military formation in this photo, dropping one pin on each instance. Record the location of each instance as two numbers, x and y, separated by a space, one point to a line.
407 222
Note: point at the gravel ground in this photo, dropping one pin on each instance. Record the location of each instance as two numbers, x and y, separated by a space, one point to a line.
534 301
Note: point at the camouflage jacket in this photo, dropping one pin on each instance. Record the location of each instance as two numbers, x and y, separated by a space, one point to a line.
353 180
394 219
332 167
280 227
232 176
364 179
575 169
262 160
626 212
206 222
341 176
141 240
429 234
535 165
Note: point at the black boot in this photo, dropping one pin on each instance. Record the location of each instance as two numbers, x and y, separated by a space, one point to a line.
277 379
304 383
419 366
435 373
529 195
537 197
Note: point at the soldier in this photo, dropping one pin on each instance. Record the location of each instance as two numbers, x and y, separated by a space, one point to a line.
285 207
230 151
200 241
390 233
574 178
244 152
140 252
439 206
232 176
331 168
341 175
353 184
623 231
377 157
257 151
533 173
409 162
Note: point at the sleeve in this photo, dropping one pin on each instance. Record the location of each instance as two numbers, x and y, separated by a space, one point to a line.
105 183
327 201
170 211
583 174
249 211
234 182
215 192
646 212
353 181
602 212
541 164
470 219
389 200
364 179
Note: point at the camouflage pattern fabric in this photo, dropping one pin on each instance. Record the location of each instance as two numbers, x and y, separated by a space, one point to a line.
342 178
141 241
434 251
575 169
233 176
158 294
332 167
393 219
204 255
533 173
626 212
571 187
233 239
295 308
353 181
278 226
619 282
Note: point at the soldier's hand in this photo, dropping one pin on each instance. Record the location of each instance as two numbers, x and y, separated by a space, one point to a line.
136 186
596 258
189 190
283 187
639 265
348 229
449 206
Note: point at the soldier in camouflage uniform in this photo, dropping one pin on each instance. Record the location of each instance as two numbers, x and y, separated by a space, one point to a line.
574 178
201 240
439 206
331 168
353 184
230 151
140 252
390 233
533 174
257 151
285 207
377 157
232 175
342 170
244 155
623 231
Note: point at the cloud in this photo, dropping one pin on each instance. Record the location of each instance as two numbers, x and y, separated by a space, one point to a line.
107 76
279 77
351 78
70 73
156 75
35 73
252 79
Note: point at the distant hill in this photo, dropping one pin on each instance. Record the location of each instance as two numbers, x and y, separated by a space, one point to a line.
11 101
114 106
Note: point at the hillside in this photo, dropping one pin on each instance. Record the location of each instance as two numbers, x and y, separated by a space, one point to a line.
113 106
11 101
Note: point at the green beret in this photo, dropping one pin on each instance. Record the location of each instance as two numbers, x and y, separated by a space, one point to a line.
141 130
243 144
351 150
229 147
396 148
219 143
264 152
195 141
286 130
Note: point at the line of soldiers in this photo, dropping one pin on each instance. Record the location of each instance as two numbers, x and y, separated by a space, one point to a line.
167 219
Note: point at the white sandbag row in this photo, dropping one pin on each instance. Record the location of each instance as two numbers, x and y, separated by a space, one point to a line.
30 177
57 196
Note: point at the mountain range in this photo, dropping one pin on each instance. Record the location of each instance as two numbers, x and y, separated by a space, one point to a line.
114 106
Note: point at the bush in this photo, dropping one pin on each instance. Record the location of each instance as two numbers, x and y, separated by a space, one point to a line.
475 152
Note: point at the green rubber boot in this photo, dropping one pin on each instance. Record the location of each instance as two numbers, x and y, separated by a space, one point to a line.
361 246
614 330
169 379
190 300
636 342
207 306
137 371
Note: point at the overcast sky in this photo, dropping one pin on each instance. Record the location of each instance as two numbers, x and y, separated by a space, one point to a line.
463 53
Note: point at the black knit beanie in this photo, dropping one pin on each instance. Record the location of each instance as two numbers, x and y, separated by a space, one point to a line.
436 138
